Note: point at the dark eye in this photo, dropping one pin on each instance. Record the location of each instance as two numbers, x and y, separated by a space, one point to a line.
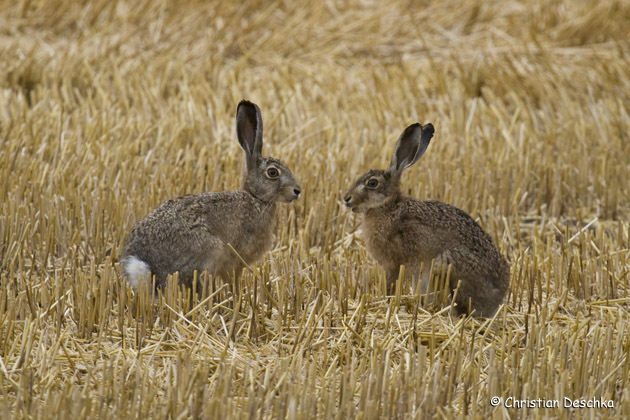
372 183
273 172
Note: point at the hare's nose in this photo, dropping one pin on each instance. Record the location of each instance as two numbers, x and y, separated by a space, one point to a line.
347 198
297 191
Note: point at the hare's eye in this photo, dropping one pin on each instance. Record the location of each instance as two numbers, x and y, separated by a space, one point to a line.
273 172
372 183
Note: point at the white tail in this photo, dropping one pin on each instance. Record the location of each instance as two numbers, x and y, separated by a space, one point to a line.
134 268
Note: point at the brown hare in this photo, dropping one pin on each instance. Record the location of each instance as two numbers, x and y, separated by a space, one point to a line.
400 230
192 232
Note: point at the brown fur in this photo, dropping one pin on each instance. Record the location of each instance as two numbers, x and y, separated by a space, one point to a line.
192 233
400 230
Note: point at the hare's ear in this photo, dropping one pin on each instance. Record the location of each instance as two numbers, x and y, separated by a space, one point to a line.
411 145
249 129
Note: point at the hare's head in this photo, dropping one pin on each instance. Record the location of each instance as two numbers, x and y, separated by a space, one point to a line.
376 187
266 178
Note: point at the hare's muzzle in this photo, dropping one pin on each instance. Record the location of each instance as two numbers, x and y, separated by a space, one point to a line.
347 199
351 203
290 193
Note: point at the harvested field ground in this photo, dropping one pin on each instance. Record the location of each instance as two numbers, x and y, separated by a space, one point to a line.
108 108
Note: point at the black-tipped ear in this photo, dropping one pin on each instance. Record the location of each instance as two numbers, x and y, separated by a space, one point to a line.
411 145
249 128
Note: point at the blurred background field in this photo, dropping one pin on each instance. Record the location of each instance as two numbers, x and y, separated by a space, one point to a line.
107 108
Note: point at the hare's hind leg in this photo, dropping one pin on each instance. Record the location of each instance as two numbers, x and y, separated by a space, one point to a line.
464 280
474 296
473 283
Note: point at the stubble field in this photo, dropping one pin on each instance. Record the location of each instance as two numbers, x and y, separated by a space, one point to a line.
109 108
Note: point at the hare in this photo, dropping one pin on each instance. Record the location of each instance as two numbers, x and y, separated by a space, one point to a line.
197 232
400 230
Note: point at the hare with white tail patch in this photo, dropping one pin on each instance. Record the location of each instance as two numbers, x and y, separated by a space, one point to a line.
195 232
400 230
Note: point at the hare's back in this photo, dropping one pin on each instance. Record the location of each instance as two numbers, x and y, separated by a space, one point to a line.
449 225
190 219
